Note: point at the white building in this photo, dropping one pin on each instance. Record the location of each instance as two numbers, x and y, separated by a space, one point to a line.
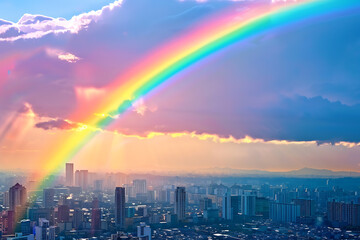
143 232
44 231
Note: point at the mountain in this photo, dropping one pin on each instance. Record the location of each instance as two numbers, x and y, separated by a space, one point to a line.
303 172
322 172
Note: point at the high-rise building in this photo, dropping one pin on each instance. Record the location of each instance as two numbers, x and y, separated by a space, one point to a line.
63 213
341 213
9 222
161 196
143 232
6 199
48 197
78 218
96 219
211 214
129 191
81 178
36 213
235 206
69 174
95 203
180 198
284 212
25 227
306 207
205 203
51 233
95 215
248 203
44 231
120 207
226 207
262 207
139 186
98 185
17 196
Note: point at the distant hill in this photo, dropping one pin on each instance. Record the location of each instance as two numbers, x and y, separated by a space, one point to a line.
303 172
322 172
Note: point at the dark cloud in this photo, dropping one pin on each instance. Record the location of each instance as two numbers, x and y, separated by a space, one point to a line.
56 124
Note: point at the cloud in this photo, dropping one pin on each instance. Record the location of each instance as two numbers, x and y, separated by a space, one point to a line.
88 94
68 57
64 56
140 108
56 124
36 26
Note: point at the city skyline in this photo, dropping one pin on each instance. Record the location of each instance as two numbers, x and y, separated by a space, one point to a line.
179 119
154 207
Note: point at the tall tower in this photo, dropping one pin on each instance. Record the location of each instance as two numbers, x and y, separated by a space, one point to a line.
48 197
69 174
81 178
226 207
78 218
17 196
180 196
120 207
96 219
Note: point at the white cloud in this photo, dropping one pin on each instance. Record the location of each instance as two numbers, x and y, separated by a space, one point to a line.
71 58
89 93
37 26
63 56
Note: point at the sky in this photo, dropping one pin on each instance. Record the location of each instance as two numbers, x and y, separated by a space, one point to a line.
284 99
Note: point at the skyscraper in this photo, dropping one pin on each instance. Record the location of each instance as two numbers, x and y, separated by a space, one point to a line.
96 219
248 203
81 178
63 213
69 174
120 207
343 213
235 207
284 212
78 218
139 186
306 207
205 203
180 196
48 197
9 219
17 196
226 207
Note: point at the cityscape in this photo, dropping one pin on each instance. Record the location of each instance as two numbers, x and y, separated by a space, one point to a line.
83 204
179 119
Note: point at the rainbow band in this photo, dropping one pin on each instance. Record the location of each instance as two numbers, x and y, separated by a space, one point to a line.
133 85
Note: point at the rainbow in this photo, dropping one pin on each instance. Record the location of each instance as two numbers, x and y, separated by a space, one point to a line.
215 34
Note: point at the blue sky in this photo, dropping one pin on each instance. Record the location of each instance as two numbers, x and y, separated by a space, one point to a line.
13 10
